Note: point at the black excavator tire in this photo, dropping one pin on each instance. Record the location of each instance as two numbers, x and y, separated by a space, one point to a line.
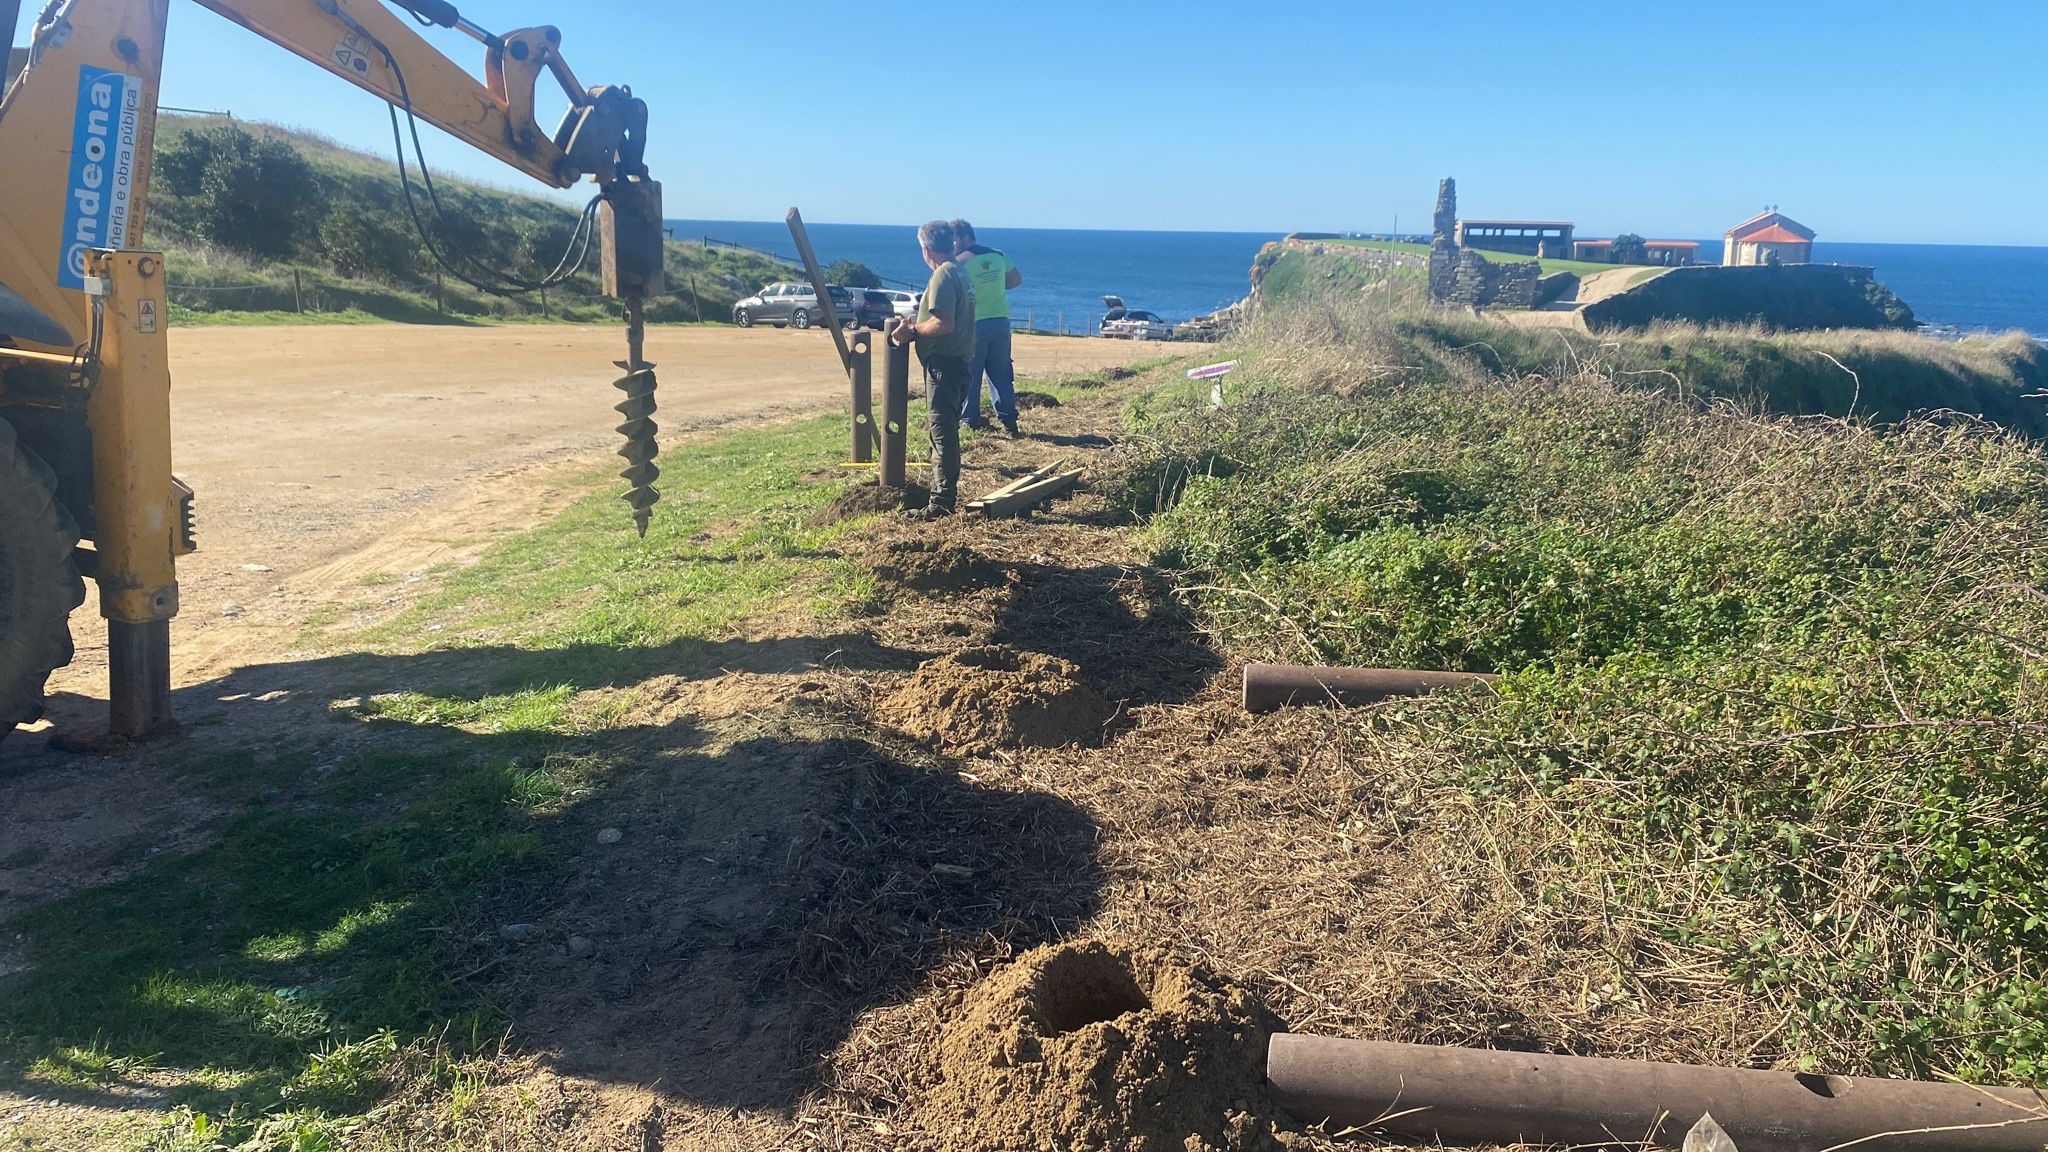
39 581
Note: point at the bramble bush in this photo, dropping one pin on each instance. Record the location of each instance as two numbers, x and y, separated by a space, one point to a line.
1785 679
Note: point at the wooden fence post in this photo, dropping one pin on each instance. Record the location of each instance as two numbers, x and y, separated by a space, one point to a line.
895 414
298 293
863 398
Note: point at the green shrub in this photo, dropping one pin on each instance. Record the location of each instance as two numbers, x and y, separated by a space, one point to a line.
240 208
1786 679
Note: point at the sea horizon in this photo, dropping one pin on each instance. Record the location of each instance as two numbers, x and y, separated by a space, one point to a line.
1304 231
1180 274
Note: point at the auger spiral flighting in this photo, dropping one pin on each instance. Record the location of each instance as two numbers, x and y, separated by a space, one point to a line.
637 425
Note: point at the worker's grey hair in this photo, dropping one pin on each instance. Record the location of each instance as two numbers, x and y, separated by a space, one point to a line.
936 236
963 232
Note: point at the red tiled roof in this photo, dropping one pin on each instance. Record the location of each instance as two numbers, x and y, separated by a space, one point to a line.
1768 212
1764 220
1773 235
1646 243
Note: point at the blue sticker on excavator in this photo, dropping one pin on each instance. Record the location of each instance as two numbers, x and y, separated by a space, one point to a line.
102 173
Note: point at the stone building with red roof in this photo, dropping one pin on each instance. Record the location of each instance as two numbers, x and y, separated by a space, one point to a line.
1769 237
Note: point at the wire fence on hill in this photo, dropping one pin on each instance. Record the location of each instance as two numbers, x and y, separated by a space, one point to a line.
313 296
303 294
789 261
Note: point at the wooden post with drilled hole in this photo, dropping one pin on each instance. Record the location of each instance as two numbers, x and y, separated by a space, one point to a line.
895 413
863 373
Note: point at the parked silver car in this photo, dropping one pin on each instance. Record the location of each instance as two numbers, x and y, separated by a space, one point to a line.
792 304
905 303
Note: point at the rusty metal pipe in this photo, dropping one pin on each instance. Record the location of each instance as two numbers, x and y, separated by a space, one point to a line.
1472 1095
1271 686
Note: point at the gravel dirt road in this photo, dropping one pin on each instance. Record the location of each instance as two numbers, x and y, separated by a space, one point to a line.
321 454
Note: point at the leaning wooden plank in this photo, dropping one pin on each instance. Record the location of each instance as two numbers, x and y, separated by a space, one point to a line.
1005 490
1031 495
1028 478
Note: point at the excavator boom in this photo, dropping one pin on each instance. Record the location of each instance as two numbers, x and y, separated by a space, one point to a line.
84 376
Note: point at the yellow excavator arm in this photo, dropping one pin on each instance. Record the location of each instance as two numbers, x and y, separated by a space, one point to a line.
85 440
86 107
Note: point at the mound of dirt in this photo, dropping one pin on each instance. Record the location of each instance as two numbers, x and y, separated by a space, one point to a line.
1093 1046
867 499
1037 400
1108 375
979 700
929 566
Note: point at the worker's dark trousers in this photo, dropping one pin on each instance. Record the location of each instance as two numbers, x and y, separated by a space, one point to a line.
945 388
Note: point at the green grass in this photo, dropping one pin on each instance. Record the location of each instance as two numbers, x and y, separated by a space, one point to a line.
1777 680
1580 267
1872 374
187 318
272 978
728 535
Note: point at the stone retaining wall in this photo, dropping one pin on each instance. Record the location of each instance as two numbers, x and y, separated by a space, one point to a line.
1462 276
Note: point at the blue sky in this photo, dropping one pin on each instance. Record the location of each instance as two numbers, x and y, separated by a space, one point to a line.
1876 120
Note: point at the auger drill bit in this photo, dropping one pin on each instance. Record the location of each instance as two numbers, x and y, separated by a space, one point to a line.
638 426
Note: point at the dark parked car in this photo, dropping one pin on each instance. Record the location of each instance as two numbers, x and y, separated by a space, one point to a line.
872 307
793 304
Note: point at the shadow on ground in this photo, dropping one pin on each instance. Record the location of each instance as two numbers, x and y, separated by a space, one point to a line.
703 898
1120 624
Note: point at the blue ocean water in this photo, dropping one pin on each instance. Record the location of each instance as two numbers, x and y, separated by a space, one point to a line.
1066 271
1184 274
1970 287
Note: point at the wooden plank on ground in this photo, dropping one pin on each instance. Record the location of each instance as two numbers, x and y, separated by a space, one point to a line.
1028 496
1031 477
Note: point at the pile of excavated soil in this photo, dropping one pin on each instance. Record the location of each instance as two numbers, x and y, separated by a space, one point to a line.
1091 1046
1109 375
981 700
929 566
867 499
1037 400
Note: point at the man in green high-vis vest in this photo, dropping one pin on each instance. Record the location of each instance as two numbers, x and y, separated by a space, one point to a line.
993 276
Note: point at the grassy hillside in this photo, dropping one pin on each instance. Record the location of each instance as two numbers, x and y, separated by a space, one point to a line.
1867 373
264 222
1581 267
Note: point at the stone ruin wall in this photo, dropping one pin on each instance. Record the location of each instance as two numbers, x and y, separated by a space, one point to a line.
1461 276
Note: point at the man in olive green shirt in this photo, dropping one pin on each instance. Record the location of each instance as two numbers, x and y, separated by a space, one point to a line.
944 335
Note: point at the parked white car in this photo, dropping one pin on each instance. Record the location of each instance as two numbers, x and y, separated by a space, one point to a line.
905 303
1138 325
